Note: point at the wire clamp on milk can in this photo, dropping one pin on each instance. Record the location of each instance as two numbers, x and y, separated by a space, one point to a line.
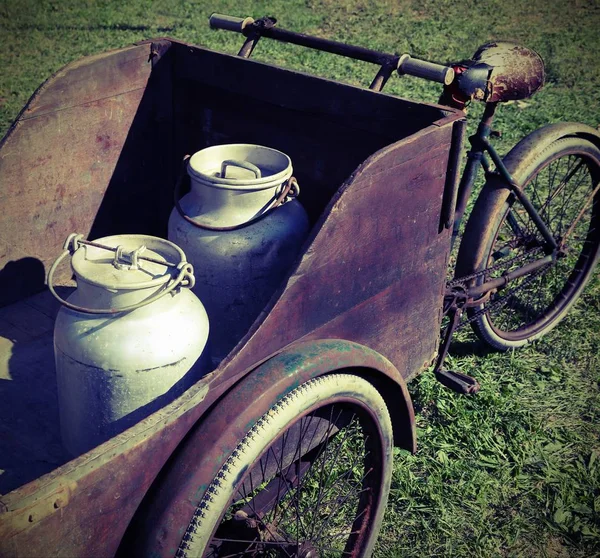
123 348
122 261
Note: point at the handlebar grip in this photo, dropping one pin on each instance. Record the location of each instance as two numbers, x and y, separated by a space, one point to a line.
229 23
425 70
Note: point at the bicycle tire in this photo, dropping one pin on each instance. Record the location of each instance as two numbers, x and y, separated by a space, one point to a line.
345 427
499 228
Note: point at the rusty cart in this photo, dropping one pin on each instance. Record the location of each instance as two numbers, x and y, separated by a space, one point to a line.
285 447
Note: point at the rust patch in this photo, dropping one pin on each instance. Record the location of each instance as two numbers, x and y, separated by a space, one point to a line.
14 522
104 141
517 72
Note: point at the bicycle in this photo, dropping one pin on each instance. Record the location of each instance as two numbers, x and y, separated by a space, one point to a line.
531 242
513 235
318 384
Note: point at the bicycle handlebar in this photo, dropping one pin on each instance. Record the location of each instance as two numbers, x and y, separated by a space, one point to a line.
404 64
426 70
229 23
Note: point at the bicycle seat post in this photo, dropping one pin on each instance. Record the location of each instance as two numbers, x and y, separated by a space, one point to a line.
475 157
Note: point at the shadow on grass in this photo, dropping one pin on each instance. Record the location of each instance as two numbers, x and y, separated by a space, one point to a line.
98 27
471 347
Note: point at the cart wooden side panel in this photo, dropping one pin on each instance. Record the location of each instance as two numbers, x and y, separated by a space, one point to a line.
374 271
65 152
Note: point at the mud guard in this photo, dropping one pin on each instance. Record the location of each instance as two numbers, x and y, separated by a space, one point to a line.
168 507
495 191
546 135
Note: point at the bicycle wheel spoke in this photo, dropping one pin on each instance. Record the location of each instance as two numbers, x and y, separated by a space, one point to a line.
564 188
324 461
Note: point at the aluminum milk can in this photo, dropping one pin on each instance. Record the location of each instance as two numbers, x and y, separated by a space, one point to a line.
242 229
129 339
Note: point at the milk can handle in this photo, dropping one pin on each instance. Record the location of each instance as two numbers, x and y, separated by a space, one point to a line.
291 189
241 164
184 278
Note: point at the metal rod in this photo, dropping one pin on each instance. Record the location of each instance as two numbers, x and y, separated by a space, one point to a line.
265 27
502 281
517 190
474 158
451 186
327 45
248 46
450 329
580 215
382 76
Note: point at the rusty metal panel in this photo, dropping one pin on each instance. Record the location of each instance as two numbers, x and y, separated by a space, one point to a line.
78 141
374 271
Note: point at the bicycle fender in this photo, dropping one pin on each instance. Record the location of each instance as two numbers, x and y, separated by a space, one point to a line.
521 155
306 360
169 505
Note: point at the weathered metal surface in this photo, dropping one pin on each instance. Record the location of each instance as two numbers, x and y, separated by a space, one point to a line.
170 505
373 272
70 156
516 72
240 243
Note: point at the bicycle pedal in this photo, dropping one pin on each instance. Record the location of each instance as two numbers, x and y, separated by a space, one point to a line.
458 382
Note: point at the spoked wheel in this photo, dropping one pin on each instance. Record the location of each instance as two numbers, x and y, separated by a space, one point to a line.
561 182
309 479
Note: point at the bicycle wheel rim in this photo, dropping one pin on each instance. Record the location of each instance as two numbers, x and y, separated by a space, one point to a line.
545 303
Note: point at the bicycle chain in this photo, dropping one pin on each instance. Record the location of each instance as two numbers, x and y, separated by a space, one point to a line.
501 301
461 281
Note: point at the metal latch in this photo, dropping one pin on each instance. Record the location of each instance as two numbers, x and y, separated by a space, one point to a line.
127 260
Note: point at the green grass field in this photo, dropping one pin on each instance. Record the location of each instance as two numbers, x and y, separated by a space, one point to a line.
514 470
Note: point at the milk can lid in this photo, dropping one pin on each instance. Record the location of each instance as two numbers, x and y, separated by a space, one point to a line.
240 165
132 261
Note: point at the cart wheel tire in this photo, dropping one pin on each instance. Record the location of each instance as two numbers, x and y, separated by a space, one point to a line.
558 180
265 500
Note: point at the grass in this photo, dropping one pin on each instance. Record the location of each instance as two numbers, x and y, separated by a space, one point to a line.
514 470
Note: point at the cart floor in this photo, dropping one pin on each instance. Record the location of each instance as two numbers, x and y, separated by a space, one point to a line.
30 443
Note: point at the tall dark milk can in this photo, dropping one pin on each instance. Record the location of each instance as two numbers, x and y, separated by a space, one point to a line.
242 228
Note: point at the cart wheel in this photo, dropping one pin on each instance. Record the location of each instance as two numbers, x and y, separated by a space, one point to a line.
561 182
310 478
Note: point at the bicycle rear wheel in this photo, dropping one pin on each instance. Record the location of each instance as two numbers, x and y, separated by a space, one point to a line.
561 182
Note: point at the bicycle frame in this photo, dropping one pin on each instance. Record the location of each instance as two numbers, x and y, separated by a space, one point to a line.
474 296
253 30
476 157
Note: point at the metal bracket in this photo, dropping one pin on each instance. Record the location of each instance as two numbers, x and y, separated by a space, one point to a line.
127 260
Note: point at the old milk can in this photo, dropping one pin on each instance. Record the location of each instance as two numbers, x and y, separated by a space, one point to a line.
242 229
129 339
